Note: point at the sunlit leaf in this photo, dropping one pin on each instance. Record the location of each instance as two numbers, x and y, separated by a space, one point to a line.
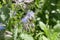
57 28
26 36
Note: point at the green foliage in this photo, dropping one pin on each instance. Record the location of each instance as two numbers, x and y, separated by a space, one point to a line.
44 25
26 36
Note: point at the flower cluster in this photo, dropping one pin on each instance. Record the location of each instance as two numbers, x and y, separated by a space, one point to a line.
29 16
28 20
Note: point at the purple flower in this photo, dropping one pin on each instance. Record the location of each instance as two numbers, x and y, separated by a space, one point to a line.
24 20
30 14
2 27
27 20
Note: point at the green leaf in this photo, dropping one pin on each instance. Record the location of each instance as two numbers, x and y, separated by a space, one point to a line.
37 2
42 37
0 6
42 25
57 28
45 29
26 36
54 36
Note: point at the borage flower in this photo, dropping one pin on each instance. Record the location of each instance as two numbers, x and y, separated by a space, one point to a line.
30 14
2 28
25 20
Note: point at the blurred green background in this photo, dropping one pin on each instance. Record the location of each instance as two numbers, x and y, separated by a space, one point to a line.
42 22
